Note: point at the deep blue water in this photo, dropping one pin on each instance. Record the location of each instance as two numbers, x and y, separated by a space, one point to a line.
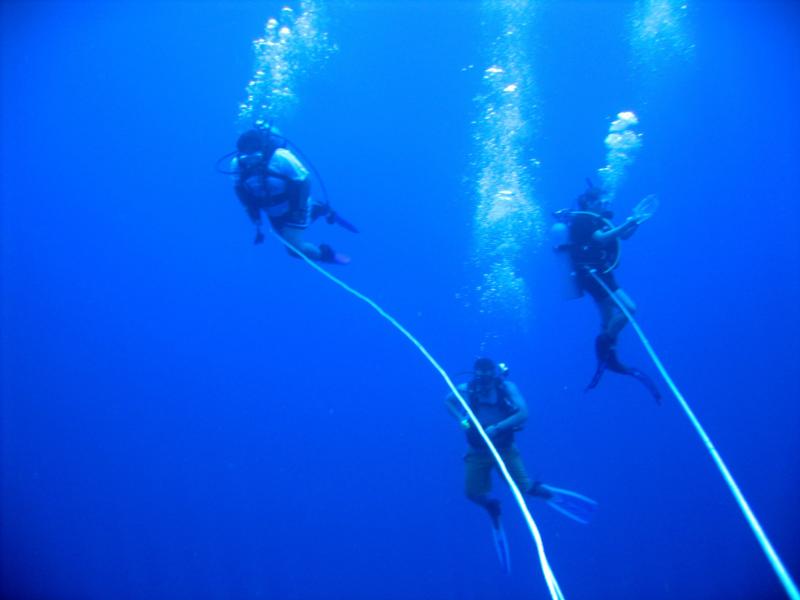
186 415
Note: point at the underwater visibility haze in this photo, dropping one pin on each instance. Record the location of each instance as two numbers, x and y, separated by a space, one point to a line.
186 414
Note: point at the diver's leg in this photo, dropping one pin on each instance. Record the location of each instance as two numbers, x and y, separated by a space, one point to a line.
519 474
319 210
292 228
478 481
603 342
320 252
626 300
606 346
294 236
607 310
608 317
618 320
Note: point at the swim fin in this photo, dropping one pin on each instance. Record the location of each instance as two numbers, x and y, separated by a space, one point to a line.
614 365
329 255
598 373
571 504
501 545
500 540
607 359
645 209
646 382
334 217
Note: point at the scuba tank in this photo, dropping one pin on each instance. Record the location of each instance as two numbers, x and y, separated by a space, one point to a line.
560 243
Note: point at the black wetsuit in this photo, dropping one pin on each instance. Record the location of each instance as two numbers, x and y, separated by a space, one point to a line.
591 258
586 253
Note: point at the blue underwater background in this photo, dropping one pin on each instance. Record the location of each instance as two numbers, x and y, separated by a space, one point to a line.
187 415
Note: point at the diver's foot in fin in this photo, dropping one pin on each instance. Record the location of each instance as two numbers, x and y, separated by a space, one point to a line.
615 365
540 490
646 382
499 536
501 546
603 348
571 504
607 355
329 255
321 210
341 259
598 374
334 217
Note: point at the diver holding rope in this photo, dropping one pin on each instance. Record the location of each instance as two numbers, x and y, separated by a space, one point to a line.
592 243
271 179
502 411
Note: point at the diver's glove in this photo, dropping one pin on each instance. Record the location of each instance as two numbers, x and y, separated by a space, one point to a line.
492 431
629 227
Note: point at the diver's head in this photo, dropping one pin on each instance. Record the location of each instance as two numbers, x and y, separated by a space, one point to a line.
484 372
594 199
251 141
253 148
590 199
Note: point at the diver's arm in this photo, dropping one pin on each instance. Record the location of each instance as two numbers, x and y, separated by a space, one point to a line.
250 206
623 231
520 416
253 212
455 408
286 163
632 226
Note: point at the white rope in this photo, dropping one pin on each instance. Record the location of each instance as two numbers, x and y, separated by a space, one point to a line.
550 578
772 556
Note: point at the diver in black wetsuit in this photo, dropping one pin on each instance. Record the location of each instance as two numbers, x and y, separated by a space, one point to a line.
594 251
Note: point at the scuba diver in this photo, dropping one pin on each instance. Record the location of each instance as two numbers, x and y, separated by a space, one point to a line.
502 411
270 179
592 243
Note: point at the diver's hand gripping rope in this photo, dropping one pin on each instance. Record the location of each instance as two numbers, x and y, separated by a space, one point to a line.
772 556
550 578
